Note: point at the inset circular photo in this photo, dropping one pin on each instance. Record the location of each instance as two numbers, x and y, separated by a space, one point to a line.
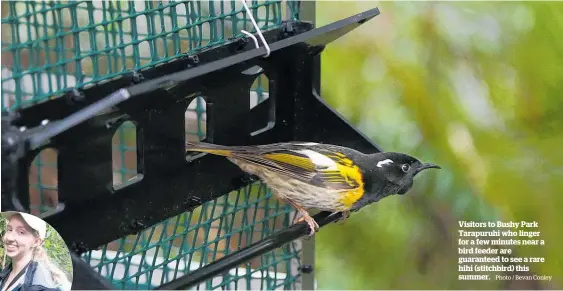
33 255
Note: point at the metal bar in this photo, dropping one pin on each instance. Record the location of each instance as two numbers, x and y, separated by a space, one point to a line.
57 127
233 260
85 278
13 148
308 13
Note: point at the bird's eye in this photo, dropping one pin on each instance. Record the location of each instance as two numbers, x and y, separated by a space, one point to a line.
405 167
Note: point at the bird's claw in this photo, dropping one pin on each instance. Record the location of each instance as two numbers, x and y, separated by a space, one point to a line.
345 216
313 225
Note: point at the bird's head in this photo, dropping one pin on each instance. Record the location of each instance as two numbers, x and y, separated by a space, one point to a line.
400 169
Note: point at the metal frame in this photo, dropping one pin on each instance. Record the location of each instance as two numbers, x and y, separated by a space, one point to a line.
307 12
156 99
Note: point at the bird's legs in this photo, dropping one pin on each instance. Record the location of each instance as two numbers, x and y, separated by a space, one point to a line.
345 216
305 216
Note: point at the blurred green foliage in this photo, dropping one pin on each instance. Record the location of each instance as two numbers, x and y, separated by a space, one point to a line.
476 87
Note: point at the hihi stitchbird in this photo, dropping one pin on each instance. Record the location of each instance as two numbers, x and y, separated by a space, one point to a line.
326 177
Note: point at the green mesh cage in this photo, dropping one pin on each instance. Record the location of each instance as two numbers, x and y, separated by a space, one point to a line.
49 47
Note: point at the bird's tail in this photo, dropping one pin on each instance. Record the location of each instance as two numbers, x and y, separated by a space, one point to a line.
208 148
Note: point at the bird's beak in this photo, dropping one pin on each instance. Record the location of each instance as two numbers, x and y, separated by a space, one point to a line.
427 166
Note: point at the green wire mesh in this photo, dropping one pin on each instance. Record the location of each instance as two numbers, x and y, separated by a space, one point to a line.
190 240
49 47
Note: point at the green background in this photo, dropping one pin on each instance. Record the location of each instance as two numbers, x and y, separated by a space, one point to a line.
475 87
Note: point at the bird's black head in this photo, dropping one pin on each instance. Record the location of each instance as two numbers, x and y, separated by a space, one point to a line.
400 169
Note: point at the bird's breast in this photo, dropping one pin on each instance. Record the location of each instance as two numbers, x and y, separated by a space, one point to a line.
307 195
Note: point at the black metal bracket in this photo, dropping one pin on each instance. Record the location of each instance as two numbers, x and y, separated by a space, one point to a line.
14 148
156 99
233 260
86 278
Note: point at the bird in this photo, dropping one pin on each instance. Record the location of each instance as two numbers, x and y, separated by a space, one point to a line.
326 177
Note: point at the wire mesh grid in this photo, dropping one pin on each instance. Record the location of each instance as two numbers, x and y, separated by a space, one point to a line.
49 47
190 240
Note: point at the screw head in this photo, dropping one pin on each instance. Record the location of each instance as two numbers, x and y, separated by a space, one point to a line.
136 77
75 96
79 247
306 269
194 59
10 141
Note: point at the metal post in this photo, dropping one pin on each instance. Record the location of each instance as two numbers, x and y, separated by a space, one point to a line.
307 12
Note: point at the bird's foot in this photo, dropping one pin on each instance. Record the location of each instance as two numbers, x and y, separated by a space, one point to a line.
313 225
345 216
305 216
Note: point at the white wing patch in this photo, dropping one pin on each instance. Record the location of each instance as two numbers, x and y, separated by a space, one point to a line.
307 144
384 162
319 160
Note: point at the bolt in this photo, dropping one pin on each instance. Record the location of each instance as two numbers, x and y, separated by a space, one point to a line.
75 95
23 128
194 59
136 224
79 247
240 43
44 122
10 141
289 27
194 199
307 269
136 77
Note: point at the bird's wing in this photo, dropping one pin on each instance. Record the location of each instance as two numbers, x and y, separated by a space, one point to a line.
345 175
307 162
330 170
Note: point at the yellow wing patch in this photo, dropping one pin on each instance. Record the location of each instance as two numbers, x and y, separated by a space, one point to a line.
297 161
225 153
340 158
352 175
351 197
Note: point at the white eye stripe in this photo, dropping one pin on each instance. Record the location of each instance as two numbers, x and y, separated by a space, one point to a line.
384 162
